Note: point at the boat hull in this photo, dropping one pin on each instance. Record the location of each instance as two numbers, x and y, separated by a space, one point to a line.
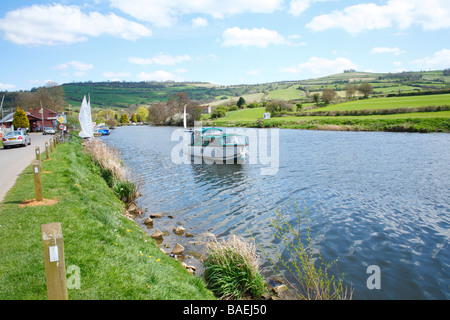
218 154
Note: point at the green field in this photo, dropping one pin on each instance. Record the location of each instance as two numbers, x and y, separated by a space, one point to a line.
438 121
390 103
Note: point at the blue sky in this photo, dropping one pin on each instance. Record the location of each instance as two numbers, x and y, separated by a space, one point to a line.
221 41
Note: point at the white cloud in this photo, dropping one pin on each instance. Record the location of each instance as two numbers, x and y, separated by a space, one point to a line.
431 15
158 76
77 65
251 37
297 7
199 22
321 66
160 59
440 60
58 24
163 13
6 87
380 50
252 73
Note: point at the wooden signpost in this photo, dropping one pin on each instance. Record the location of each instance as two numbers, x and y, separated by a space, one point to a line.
55 268
38 156
37 180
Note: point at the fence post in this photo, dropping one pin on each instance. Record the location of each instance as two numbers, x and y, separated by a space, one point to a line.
37 151
46 151
54 142
55 268
37 180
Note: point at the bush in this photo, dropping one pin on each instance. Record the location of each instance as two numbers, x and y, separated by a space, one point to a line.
232 271
277 107
253 105
219 112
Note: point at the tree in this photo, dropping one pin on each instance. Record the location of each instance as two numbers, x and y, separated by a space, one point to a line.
350 90
366 89
133 118
20 119
124 119
328 95
142 114
276 107
51 97
241 103
316 98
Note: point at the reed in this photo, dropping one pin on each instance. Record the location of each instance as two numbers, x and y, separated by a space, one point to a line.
232 269
111 169
305 272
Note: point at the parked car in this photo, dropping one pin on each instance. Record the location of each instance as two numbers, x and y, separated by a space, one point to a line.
48 130
16 138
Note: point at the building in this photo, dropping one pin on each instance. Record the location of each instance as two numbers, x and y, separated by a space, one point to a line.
206 109
35 117
49 117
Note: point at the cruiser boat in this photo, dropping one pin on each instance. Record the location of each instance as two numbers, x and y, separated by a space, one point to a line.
212 144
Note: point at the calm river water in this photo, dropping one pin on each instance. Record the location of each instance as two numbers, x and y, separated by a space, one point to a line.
373 199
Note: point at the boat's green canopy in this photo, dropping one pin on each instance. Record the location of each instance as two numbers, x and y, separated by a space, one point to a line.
206 129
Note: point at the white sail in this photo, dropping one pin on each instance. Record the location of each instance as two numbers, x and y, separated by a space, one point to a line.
184 119
85 119
91 127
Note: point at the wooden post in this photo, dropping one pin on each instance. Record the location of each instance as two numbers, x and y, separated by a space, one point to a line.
55 268
46 151
54 142
51 146
37 180
37 151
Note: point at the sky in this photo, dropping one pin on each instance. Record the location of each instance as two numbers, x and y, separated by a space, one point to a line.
226 42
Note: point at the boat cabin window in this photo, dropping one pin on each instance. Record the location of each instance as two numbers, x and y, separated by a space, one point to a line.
233 140
213 132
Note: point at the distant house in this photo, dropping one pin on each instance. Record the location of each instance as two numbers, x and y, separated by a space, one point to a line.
35 118
49 117
206 109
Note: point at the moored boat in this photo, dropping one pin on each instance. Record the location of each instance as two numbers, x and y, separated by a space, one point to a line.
212 144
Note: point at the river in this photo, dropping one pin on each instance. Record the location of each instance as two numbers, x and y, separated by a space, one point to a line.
372 198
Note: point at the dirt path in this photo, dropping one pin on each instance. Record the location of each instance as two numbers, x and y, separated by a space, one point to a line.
14 160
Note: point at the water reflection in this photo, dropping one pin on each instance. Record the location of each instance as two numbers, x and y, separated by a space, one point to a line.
372 198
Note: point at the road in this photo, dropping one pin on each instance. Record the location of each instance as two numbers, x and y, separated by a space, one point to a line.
14 160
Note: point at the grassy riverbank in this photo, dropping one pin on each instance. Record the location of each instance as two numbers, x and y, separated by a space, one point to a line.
427 113
426 123
116 258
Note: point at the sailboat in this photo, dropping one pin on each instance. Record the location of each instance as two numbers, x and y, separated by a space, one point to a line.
85 119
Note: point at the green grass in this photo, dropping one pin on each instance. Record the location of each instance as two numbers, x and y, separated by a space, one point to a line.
117 259
291 93
390 103
245 114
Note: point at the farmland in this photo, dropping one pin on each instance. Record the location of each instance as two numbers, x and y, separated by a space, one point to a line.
121 95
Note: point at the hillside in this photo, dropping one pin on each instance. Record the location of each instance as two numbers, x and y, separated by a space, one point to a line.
124 94
121 95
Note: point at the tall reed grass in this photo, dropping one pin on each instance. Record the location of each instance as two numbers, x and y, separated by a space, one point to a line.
115 174
232 269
